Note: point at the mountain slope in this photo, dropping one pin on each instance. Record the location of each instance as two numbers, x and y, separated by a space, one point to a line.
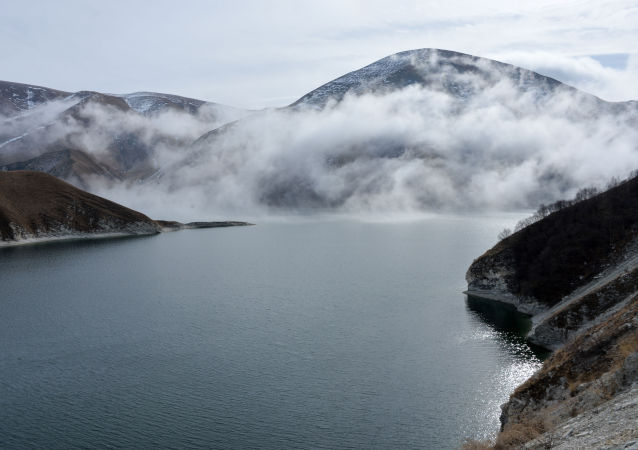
153 102
67 164
458 74
16 97
38 205
121 134
568 249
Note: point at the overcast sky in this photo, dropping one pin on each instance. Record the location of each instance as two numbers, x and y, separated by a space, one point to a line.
269 53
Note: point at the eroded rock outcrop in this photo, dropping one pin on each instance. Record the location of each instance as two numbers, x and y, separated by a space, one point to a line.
591 306
493 276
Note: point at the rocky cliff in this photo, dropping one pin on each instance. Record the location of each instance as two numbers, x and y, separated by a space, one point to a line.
576 272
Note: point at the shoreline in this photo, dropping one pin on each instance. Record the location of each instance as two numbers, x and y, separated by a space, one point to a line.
531 308
491 295
164 227
70 237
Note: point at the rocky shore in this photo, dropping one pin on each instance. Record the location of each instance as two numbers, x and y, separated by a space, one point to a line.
586 393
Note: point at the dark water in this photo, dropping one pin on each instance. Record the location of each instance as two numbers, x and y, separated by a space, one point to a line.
283 335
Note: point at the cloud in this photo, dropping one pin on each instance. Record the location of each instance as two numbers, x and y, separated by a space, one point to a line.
416 149
583 72
491 139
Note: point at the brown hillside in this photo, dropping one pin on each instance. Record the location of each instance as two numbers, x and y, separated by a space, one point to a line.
35 204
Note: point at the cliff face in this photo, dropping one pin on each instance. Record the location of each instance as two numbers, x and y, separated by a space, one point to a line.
493 276
36 205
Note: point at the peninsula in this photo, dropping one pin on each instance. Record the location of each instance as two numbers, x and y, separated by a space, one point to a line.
35 206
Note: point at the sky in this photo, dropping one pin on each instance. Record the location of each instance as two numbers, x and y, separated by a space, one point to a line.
255 54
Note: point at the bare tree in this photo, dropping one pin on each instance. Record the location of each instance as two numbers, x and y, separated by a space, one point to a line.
504 234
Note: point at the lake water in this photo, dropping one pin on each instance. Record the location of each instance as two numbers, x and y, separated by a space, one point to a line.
329 334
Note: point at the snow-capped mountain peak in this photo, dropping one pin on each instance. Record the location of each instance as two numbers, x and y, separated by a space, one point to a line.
456 73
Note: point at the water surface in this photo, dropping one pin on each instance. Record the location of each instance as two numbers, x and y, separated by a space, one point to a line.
332 334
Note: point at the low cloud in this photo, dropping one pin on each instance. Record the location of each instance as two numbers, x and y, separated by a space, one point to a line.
470 141
619 83
412 150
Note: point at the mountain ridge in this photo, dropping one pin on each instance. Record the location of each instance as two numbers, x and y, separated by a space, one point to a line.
428 84
420 130
408 67
42 124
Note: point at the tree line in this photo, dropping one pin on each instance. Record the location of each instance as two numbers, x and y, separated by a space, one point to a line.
545 210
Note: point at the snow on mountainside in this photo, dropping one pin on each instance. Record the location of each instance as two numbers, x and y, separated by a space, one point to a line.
89 135
458 74
16 97
150 103
432 67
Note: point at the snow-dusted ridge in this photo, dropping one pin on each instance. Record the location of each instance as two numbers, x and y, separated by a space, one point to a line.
427 66
149 102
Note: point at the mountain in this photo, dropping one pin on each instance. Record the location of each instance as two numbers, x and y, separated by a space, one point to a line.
459 75
576 272
75 166
420 130
118 134
37 205
16 98
452 72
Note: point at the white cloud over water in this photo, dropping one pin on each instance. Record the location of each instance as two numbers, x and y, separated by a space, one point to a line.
410 151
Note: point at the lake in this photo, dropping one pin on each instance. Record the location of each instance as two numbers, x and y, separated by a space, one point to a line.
288 334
